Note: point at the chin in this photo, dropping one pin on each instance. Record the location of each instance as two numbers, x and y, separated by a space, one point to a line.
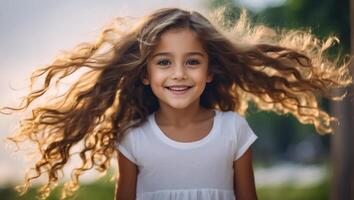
179 106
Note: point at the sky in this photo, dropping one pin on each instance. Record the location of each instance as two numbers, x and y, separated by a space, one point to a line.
258 5
33 32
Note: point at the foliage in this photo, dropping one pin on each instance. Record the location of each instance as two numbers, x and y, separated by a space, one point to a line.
327 17
324 18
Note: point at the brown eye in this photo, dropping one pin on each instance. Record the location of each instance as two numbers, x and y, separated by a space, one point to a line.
193 62
164 62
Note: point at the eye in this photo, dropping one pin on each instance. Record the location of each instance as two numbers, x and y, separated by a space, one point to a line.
164 62
193 62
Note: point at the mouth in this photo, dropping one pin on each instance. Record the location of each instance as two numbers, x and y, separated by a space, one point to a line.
179 89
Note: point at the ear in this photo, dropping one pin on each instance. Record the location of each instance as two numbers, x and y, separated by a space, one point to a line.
145 81
144 78
210 78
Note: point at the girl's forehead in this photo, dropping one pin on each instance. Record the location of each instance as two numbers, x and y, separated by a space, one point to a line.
179 40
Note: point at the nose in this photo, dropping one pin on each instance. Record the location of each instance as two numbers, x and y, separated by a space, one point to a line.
179 71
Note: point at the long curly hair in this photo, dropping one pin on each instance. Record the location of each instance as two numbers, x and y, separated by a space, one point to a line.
283 71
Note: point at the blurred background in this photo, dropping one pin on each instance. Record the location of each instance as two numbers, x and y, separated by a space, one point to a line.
291 160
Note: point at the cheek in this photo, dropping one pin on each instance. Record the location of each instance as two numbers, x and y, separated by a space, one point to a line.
201 76
157 77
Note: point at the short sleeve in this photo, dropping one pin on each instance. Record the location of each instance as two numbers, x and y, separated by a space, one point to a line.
127 146
244 137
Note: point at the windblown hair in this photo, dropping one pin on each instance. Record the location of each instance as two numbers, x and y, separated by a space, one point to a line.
281 71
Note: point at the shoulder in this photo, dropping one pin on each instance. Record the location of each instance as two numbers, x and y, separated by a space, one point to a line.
234 121
233 117
241 133
134 132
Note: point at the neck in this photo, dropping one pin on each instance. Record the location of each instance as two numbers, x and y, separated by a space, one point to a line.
179 117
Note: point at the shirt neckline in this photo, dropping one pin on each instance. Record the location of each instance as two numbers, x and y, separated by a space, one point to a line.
159 133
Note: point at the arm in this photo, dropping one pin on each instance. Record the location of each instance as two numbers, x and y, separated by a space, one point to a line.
126 183
244 186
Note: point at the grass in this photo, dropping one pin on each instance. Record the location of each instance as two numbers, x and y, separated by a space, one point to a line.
103 189
85 192
289 192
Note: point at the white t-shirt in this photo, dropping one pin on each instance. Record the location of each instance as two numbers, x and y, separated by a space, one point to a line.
199 170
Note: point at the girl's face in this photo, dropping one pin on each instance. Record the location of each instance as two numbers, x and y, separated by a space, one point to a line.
178 69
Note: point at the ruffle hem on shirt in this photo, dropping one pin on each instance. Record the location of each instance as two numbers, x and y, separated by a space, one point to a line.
194 194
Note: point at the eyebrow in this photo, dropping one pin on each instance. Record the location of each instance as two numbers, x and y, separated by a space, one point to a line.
189 54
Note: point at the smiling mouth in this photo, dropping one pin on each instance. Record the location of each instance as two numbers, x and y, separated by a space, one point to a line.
183 88
178 90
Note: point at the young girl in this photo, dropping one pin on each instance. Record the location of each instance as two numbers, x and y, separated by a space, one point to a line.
169 95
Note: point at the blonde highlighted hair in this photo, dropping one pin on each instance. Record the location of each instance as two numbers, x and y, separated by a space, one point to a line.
281 71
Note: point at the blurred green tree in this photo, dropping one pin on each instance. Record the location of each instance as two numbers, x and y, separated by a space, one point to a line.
329 17
324 18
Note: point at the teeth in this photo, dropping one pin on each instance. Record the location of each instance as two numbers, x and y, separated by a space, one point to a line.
178 88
